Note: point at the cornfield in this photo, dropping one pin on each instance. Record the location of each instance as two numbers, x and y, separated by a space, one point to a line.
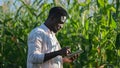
93 25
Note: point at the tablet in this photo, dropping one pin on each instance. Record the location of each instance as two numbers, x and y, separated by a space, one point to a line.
76 52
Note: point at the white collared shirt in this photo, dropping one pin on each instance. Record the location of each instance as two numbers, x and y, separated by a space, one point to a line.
40 41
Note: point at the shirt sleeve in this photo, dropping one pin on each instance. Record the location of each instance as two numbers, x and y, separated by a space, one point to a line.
34 49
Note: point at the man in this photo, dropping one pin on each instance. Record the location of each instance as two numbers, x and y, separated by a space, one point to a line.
44 50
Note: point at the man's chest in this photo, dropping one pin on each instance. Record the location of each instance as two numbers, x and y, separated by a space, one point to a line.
50 43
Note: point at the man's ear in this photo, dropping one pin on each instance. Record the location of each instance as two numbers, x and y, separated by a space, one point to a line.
52 18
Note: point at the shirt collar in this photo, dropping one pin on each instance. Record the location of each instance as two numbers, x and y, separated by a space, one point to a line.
43 26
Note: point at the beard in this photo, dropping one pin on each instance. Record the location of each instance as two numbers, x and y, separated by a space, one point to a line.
55 30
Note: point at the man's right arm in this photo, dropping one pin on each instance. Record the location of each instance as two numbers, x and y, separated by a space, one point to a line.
35 54
64 51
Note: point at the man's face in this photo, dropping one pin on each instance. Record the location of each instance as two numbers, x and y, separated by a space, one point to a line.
57 23
57 26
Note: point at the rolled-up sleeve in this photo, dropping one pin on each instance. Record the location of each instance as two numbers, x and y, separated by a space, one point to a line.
34 49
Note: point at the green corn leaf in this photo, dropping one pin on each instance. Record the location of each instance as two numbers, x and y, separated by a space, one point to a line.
113 9
113 23
101 3
88 1
84 17
87 25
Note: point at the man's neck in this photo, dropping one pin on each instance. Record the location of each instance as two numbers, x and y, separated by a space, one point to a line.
48 26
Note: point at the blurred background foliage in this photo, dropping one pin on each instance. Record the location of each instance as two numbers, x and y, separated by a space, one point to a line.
93 25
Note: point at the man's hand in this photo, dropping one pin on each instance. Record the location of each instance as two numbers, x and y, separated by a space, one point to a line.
70 59
67 60
64 51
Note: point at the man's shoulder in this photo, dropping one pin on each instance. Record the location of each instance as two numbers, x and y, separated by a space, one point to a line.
37 30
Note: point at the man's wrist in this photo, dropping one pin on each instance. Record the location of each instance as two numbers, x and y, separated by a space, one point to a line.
58 52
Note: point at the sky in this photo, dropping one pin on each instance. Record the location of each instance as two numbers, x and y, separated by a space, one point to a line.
18 4
1 1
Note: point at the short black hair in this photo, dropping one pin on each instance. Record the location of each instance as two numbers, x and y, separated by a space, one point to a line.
57 12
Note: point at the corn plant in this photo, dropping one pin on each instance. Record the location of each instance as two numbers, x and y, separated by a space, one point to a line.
93 25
